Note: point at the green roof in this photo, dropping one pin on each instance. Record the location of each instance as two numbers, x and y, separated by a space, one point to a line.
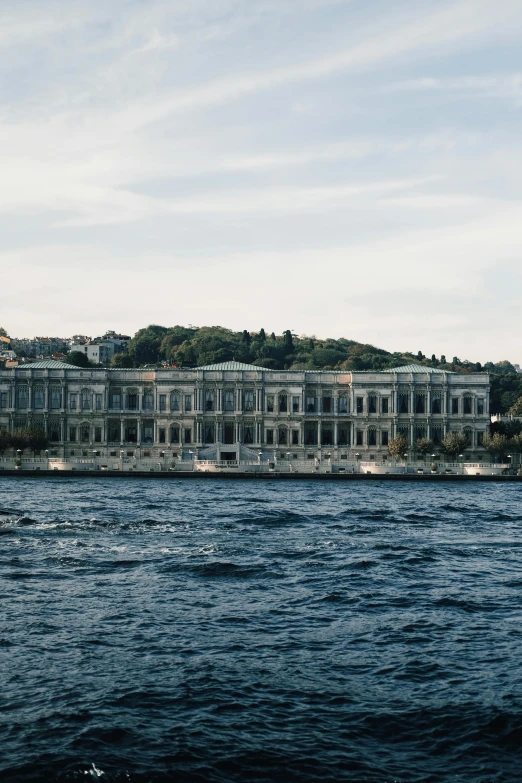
230 366
48 364
415 368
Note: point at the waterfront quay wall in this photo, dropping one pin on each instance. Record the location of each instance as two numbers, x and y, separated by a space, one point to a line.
198 468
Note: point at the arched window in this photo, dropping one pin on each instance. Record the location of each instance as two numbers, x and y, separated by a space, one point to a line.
468 404
174 401
420 402
174 434
21 397
86 399
55 395
372 403
436 435
343 404
38 398
283 402
282 436
249 400
468 432
405 432
209 401
115 400
148 400
372 436
404 402
54 430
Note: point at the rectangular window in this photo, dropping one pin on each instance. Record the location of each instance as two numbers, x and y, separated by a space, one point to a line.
384 437
359 438
148 433
420 403
84 433
188 403
269 403
3 399
343 404
467 405
372 404
249 400
115 401
97 434
270 437
132 402
327 404
480 438
163 403
295 404
248 433
148 402
385 405
283 403
295 437
188 436
174 434
86 400
174 401
480 407
372 437
98 401
38 399
455 406
161 434
360 404
310 404
72 434
436 405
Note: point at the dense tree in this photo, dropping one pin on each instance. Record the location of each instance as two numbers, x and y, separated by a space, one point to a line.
78 359
122 360
19 439
498 445
146 344
516 408
5 440
398 446
423 446
3 333
454 443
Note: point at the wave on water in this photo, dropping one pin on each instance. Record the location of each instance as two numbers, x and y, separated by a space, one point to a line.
222 632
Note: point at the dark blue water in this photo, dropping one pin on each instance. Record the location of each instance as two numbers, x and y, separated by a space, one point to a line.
243 631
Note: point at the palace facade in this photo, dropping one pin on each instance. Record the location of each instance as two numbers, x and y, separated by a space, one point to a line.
234 411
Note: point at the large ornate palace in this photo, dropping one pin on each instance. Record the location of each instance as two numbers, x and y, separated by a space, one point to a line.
234 411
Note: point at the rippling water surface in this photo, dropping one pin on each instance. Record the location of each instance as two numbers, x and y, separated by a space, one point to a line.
244 631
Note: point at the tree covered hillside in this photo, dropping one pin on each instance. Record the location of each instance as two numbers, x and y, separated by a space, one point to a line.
192 346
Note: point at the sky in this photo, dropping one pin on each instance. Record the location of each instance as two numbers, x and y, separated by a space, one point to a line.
340 168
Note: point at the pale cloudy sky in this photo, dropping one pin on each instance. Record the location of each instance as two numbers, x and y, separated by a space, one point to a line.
336 167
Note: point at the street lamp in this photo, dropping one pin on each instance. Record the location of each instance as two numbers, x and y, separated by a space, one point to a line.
94 459
121 460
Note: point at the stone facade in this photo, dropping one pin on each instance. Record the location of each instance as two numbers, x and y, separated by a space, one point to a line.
235 411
